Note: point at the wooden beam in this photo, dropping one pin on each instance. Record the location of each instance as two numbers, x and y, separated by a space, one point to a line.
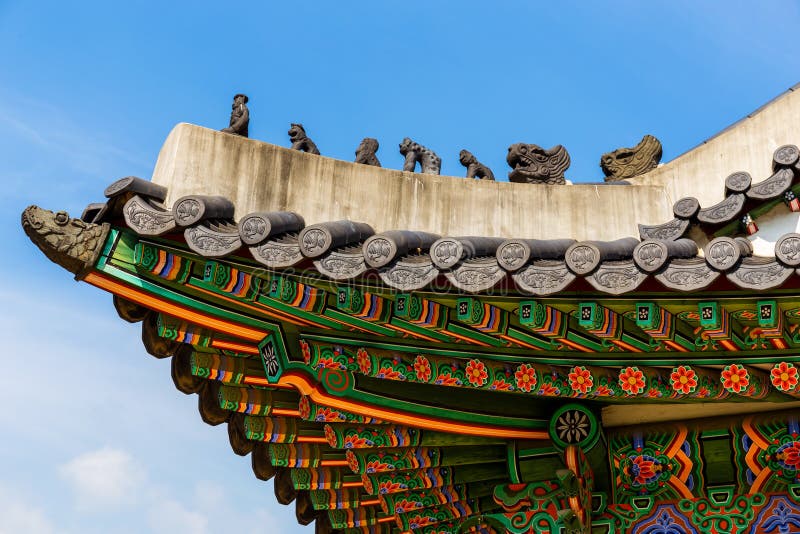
625 415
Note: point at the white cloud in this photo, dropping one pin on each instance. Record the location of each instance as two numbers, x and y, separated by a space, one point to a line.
115 395
103 478
17 515
168 516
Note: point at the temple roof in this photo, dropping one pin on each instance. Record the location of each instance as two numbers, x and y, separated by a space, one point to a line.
402 355
695 248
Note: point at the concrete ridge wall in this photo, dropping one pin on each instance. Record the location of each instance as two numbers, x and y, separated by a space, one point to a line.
746 145
258 176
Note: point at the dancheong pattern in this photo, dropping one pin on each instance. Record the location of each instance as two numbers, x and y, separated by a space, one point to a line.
414 398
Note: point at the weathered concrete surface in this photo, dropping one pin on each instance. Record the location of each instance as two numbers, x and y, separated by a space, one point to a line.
258 176
747 145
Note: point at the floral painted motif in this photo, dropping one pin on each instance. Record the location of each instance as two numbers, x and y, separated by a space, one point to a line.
445 379
735 378
355 442
603 391
549 390
476 373
352 462
422 368
330 436
389 374
667 523
378 467
525 377
642 469
501 385
420 521
404 505
784 376
329 363
788 456
631 380
391 487
683 379
580 379
783 519
326 415
364 361
304 406
306 350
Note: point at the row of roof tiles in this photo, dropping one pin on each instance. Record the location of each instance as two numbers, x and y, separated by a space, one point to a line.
411 260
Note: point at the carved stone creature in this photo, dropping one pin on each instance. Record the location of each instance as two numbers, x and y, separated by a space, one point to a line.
365 153
533 164
415 153
300 141
71 243
475 169
629 162
240 117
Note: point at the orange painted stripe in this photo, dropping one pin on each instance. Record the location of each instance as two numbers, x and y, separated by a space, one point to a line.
778 343
232 282
677 442
266 311
370 503
352 484
754 434
468 340
759 481
387 519
299 297
520 343
162 261
685 460
311 439
575 346
624 345
300 382
238 347
680 487
285 412
750 459
676 346
176 310
334 463
261 381
729 345
348 325
256 381
306 387
410 333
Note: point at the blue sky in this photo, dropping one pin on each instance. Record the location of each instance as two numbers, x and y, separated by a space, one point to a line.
95 438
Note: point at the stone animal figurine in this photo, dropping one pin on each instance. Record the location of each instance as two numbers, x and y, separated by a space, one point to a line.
240 117
415 153
365 153
629 162
533 164
300 141
71 243
475 169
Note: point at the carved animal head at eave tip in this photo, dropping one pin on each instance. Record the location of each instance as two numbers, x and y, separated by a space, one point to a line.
71 243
